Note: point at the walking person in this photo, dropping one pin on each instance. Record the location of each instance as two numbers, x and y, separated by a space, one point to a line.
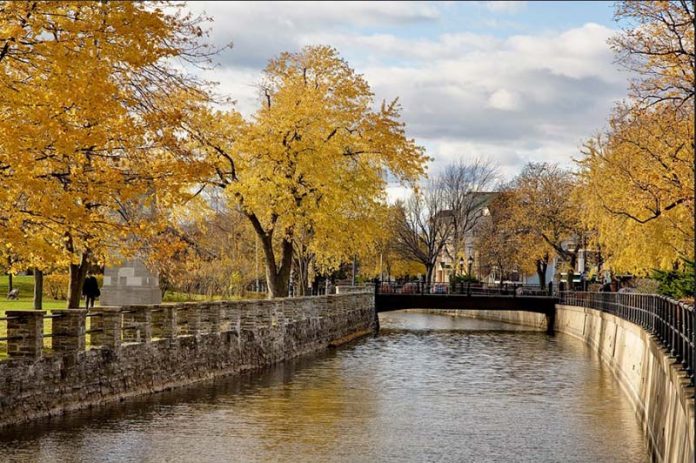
90 289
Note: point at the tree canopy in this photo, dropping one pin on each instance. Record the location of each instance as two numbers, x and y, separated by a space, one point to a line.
311 165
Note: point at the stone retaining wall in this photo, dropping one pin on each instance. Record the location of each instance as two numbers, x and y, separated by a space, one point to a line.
146 349
656 386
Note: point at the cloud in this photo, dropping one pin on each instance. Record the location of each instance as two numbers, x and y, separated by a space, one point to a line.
260 30
504 100
513 99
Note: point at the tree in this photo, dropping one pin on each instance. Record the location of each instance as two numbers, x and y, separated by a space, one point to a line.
657 45
210 253
313 161
92 103
638 190
499 242
546 212
384 260
464 189
424 227
638 178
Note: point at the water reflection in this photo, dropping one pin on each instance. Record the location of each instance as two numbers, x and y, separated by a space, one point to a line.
428 388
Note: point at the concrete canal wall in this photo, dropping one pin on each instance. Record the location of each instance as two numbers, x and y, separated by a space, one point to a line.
138 350
656 386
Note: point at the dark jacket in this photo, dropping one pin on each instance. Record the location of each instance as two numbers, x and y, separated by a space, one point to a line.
91 287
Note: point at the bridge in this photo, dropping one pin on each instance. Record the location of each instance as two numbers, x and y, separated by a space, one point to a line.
390 297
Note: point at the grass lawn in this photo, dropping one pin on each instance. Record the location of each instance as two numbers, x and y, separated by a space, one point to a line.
25 284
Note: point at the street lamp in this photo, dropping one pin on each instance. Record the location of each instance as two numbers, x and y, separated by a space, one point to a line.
461 265
471 262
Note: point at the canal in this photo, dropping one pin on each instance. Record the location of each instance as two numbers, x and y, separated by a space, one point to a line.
428 388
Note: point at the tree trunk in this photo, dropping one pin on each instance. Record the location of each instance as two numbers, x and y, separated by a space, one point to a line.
304 277
302 262
541 266
9 274
571 270
429 273
278 278
38 289
78 272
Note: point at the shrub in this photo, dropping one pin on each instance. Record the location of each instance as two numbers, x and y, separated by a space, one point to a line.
646 285
56 285
677 284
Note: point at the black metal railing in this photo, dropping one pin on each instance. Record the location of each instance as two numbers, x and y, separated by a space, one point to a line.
459 288
671 322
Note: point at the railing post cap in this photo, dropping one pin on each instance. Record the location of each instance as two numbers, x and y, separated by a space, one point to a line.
17 312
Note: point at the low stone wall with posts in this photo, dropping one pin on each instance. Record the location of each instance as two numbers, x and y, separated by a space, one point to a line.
134 350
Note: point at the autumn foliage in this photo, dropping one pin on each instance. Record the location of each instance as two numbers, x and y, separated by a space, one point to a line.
90 111
637 179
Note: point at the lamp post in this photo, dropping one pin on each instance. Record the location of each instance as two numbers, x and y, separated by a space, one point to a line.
461 266
470 260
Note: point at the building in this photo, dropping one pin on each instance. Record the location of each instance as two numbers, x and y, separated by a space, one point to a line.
467 259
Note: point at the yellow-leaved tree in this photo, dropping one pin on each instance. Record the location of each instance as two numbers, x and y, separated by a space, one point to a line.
638 178
91 103
312 163
545 214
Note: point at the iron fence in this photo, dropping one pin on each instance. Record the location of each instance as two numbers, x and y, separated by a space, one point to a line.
670 322
459 288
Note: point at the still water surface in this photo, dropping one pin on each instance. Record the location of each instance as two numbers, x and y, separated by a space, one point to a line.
429 388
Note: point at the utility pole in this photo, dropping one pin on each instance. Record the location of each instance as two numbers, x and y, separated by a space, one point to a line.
353 283
256 259
381 274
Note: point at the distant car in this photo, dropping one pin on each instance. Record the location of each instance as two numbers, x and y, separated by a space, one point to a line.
439 288
386 288
409 288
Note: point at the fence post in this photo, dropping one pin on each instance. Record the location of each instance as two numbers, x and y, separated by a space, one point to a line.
192 315
137 323
111 325
25 330
68 330
215 316
169 327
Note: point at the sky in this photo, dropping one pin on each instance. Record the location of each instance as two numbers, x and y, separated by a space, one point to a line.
509 82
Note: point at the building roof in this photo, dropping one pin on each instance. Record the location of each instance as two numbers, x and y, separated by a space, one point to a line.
485 198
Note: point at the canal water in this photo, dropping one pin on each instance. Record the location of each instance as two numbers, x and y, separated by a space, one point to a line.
429 388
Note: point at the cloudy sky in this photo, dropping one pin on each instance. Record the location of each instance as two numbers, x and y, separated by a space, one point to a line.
508 81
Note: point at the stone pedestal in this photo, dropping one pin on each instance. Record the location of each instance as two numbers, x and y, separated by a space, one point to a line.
25 333
131 283
68 330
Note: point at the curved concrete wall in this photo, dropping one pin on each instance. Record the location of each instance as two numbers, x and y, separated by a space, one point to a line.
656 386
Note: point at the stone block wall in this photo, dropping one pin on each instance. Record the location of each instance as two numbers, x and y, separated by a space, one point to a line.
139 350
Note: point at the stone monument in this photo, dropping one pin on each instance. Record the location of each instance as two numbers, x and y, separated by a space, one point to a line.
130 283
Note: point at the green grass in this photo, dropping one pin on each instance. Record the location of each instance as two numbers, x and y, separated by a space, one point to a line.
175 296
25 284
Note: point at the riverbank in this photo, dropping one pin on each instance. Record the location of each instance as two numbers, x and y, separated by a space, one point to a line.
147 349
428 388
657 387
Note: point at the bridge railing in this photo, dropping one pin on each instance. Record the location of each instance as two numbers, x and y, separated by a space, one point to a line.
459 288
671 322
